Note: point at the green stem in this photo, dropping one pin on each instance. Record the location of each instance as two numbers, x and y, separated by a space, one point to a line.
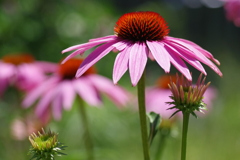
184 135
164 133
87 137
142 115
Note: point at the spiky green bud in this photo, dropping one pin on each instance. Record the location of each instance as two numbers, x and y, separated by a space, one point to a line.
45 146
187 97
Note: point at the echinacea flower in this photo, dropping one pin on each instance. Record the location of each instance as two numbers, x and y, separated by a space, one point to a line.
188 98
158 95
232 9
60 90
139 35
23 72
45 145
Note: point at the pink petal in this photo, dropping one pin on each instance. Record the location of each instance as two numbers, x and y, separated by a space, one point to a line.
86 91
45 102
179 64
88 44
159 105
3 85
160 55
209 96
110 37
187 58
121 45
29 76
151 56
196 54
75 53
137 62
33 95
120 65
203 51
47 66
7 70
57 107
95 56
117 94
68 94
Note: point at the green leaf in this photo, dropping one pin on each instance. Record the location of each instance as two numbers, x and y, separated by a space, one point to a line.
155 121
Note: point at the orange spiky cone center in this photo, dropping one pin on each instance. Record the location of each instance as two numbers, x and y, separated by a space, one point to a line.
18 59
68 69
164 80
141 26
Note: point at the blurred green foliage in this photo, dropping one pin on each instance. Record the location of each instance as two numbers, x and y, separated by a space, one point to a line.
45 28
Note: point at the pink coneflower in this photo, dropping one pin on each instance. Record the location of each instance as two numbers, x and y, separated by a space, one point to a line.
22 71
139 35
157 96
60 90
232 8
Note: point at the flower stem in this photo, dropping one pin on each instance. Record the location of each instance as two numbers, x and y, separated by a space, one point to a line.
142 115
87 136
184 135
164 134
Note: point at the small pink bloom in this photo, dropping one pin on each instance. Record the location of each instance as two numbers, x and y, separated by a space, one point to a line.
60 90
139 36
157 96
232 8
21 128
22 71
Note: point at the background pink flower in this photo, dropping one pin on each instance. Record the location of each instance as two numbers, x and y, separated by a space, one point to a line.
60 90
232 9
23 72
157 96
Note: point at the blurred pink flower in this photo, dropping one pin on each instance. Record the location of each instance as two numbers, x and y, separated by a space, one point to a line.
60 90
21 128
139 36
232 9
23 72
157 96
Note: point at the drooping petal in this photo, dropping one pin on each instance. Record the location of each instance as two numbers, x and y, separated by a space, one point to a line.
188 49
86 91
45 102
117 94
137 62
68 94
95 56
120 64
88 44
57 107
160 55
179 64
33 95
110 37
203 51
187 58
75 53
